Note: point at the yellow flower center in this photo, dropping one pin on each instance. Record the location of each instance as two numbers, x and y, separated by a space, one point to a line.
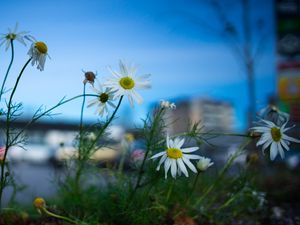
276 134
174 153
11 36
41 47
126 83
39 203
103 97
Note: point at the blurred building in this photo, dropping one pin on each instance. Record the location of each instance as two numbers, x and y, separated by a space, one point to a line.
212 114
48 141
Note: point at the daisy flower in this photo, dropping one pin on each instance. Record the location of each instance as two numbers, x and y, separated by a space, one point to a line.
125 82
176 158
105 97
274 136
39 52
204 163
12 35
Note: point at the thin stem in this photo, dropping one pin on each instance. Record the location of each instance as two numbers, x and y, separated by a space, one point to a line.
106 124
170 189
223 171
82 108
193 188
58 216
212 133
78 173
8 144
8 69
148 145
34 119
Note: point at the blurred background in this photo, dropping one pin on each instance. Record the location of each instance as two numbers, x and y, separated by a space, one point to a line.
219 61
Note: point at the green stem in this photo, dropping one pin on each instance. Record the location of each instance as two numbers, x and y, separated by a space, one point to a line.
148 147
170 189
223 171
8 69
106 124
8 144
193 188
34 119
78 172
58 216
82 108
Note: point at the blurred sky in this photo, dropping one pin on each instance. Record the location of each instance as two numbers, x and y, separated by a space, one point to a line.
161 37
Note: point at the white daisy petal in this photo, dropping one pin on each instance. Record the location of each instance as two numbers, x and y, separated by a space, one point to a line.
167 166
285 145
173 168
192 156
182 167
158 155
285 137
273 151
280 150
189 150
162 159
189 164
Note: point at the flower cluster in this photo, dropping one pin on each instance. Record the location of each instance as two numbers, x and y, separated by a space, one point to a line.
38 51
167 105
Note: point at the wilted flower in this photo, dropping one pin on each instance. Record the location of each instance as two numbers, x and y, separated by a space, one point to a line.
125 83
105 96
272 113
167 104
204 163
176 157
89 77
274 135
38 51
12 35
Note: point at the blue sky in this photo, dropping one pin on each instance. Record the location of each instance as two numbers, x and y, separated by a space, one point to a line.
184 59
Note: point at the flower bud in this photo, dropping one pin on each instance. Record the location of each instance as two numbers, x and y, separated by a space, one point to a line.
204 163
39 203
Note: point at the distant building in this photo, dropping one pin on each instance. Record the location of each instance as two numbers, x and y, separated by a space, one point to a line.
212 114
